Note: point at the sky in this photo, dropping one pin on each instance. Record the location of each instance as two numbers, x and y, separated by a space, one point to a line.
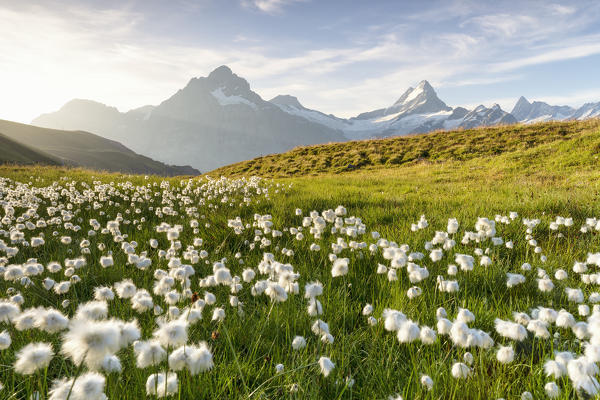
337 56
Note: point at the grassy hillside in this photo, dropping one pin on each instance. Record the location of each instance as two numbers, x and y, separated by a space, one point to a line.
557 174
13 152
83 149
393 152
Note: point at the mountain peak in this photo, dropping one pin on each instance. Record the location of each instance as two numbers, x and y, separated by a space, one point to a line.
225 78
220 73
521 109
422 93
286 100
424 85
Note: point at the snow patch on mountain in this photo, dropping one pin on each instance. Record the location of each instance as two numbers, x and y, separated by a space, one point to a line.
225 100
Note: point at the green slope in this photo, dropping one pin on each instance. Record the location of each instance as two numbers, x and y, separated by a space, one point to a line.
84 149
398 151
12 152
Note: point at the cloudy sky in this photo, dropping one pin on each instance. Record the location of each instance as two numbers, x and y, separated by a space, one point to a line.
337 56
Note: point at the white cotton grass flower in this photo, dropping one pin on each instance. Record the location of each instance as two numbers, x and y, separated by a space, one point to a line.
209 298
90 341
414 292
33 357
313 289
510 330
547 315
513 280
565 319
248 275
62 287
218 314
441 312
452 226
148 353
427 335
87 386
298 343
505 354
276 292
142 301
526 396
161 385
106 261
575 295
583 310
326 366
460 370
539 328
340 267
48 283
26 320
196 358
427 382
392 275
172 297
314 307
409 331
592 352
320 327
444 326
580 330
464 261
111 364
92 310
51 321
582 373
125 289
552 390
367 309
464 315
436 255
468 358
545 285
561 275
103 293
5 340
393 319
8 311
172 334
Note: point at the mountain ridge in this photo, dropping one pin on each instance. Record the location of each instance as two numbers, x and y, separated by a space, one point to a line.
218 120
80 149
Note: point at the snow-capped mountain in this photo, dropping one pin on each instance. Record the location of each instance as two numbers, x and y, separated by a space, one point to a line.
218 119
483 116
419 100
538 111
212 121
588 110
418 110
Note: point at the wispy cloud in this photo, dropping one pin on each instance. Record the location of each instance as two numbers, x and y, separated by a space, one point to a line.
584 47
110 55
561 9
269 6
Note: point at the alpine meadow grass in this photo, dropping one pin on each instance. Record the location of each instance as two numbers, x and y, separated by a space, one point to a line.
436 278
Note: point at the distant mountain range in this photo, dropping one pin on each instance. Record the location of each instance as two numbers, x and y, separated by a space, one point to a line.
219 120
26 144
